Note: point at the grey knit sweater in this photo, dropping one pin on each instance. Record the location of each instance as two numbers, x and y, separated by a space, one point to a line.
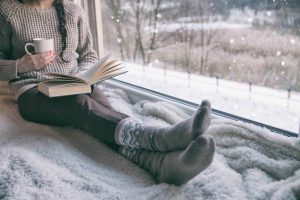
19 24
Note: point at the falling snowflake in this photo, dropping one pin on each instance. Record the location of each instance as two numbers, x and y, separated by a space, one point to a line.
278 53
292 41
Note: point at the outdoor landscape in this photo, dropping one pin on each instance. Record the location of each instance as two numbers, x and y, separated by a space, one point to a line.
241 40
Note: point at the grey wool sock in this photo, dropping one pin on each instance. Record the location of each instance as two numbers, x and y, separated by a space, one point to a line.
177 167
133 133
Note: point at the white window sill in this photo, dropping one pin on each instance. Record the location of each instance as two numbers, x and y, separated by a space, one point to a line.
137 94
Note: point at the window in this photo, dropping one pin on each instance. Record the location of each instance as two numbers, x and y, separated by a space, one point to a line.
244 56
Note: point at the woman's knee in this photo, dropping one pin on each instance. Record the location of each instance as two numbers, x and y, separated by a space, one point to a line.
26 108
82 101
99 96
36 107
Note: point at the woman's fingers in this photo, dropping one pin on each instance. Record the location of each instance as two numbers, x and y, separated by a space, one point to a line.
48 59
41 60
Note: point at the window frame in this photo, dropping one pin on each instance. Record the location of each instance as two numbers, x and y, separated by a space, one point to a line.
140 93
94 7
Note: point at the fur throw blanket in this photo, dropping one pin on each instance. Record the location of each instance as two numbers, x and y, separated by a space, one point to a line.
46 162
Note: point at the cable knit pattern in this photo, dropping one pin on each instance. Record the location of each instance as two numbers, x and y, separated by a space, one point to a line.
133 133
20 24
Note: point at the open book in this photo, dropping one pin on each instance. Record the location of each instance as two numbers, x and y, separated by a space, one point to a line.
63 85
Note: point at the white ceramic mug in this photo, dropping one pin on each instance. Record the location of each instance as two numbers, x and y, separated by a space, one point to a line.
40 45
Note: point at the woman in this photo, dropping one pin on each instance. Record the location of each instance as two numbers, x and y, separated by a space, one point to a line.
172 154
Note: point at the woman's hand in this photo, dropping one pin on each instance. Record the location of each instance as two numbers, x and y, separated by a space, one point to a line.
34 62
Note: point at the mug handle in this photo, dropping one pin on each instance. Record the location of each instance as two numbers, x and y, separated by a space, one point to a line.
28 44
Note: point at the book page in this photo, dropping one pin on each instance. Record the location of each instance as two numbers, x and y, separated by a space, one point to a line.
108 65
104 66
109 73
60 80
88 74
86 77
109 70
54 84
101 72
63 77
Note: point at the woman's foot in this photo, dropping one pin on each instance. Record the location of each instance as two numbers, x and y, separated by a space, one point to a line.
133 133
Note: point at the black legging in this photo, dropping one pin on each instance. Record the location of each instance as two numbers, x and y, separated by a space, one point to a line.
92 115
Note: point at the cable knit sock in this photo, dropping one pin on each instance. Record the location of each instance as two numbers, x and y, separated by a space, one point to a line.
133 133
176 167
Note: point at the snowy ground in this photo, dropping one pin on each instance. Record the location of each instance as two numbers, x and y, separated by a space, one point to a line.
173 27
264 105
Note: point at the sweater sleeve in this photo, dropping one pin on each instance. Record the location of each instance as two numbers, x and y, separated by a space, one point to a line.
8 68
87 54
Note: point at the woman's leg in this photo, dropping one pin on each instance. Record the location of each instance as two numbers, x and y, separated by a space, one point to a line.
80 111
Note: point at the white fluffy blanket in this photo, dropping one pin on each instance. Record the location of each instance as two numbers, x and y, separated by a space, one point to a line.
44 162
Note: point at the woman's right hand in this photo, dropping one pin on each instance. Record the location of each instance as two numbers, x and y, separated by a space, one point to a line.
34 62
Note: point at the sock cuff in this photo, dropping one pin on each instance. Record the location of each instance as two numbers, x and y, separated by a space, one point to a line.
127 123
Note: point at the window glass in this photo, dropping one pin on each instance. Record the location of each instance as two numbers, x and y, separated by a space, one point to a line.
242 55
